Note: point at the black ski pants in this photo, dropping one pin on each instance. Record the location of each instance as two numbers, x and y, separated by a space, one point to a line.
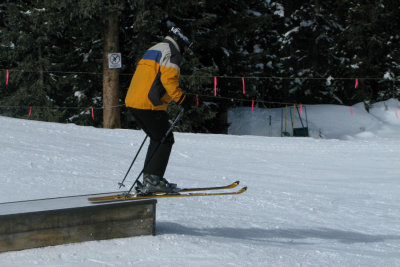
155 124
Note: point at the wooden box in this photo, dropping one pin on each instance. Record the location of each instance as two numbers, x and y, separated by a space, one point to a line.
48 222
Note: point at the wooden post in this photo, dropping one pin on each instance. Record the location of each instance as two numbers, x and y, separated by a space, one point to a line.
111 110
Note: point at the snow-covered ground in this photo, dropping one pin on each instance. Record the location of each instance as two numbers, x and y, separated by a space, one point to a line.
327 121
332 201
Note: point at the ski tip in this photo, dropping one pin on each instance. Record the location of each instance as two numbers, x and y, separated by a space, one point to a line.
242 190
237 182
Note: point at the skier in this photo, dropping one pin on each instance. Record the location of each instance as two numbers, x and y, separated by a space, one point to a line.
154 85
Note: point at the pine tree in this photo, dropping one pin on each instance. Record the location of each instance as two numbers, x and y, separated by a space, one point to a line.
369 43
310 53
25 36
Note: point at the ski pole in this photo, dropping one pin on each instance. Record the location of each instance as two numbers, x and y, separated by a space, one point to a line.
121 184
155 150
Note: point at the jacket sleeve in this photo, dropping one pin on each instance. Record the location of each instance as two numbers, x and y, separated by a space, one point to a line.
170 79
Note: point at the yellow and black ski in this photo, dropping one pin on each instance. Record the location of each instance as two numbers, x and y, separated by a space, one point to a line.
232 185
181 193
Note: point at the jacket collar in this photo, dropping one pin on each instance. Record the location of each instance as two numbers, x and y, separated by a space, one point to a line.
173 41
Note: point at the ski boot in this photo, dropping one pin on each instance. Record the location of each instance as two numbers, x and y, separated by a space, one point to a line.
154 184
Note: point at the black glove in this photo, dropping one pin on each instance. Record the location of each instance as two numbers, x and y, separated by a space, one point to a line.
188 102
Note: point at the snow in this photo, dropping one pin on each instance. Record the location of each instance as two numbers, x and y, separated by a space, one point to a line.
331 201
388 75
226 52
329 81
294 30
306 23
79 95
280 11
254 13
257 49
328 121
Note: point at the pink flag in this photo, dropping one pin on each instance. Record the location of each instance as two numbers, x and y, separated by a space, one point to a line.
215 85
30 111
301 109
197 100
397 114
92 113
252 105
244 86
7 76
351 110
356 85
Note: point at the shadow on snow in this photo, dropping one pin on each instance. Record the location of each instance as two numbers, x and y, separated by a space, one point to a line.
273 235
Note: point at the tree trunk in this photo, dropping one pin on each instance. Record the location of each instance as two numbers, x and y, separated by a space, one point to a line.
41 76
317 7
111 110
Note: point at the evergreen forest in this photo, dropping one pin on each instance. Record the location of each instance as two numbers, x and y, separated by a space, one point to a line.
248 52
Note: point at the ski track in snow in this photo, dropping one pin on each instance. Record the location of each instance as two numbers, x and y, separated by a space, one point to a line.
310 202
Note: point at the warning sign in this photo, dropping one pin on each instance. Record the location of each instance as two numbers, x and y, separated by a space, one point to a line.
114 60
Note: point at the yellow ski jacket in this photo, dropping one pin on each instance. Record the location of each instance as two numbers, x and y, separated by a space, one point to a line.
156 80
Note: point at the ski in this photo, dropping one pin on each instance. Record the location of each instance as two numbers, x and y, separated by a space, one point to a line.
123 197
232 185
191 189
184 190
